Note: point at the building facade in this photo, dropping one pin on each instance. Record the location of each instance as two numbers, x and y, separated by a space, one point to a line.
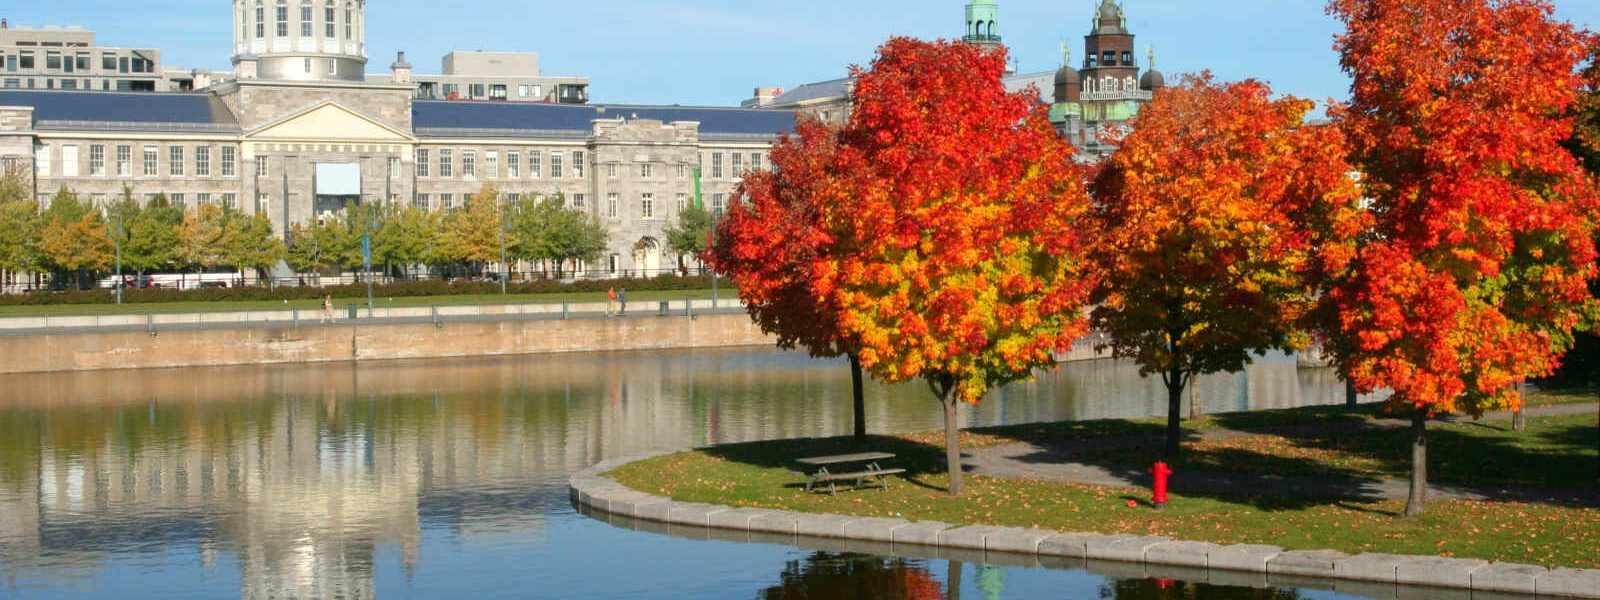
504 76
56 58
301 132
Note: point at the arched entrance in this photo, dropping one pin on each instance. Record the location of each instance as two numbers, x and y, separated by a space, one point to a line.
647 257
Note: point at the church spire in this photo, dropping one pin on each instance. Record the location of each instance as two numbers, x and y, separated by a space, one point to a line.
983 18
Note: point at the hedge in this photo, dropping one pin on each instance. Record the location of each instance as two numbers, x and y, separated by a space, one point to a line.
398 289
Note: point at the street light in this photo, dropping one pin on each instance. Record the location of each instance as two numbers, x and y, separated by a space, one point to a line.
116 243
504 269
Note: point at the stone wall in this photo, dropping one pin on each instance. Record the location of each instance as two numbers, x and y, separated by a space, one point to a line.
353 342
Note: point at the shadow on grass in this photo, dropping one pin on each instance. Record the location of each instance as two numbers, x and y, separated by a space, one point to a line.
918 459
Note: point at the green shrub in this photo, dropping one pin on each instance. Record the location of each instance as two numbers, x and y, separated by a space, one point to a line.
398 289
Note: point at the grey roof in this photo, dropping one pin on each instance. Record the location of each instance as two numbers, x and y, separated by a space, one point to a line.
468 118
1043 80
836 88
124 111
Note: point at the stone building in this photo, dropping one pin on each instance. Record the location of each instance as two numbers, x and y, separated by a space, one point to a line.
302 131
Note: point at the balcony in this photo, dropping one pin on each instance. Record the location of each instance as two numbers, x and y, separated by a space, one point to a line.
1134 94
982 38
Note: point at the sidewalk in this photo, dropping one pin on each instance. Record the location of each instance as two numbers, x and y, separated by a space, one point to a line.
1058 462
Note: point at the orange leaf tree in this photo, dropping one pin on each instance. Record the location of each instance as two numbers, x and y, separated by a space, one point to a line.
956 228
771 238
1201 211
1476 267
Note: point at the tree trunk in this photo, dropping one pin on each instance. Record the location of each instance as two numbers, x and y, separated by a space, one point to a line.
1519 420
1418 500
953 580
1350 395
952 437
1175 382
857 396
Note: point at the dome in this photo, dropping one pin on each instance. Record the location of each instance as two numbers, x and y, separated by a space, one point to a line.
1110 10
1152 80
1068 81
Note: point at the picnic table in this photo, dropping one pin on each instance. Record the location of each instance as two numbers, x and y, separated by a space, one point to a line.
861 467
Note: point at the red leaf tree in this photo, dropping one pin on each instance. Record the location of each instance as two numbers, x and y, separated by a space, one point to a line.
1475 270
955 228
1204 251
771 238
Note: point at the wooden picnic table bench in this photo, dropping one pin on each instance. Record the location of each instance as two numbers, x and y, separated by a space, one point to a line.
821 473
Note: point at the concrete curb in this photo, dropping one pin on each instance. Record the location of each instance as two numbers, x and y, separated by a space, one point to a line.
1242 564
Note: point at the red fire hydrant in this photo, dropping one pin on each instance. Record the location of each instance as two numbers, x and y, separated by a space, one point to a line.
1161 472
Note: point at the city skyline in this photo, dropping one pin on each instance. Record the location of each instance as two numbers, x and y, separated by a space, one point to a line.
765 45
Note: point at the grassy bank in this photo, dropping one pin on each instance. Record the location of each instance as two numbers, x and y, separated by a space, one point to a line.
635 300
763 475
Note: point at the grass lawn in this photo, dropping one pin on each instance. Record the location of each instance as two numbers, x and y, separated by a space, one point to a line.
1552 451
635 298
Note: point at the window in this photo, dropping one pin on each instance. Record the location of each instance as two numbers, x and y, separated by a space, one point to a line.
150 156
447 201
124 161
1108 58
261 20
261 201
716 203
26 58
41 159
534 168
683 171
229 161
305 19
108 62
307 63
491 165
497 91
577 164
469 163
1094 61
512 168
175 161
683 201
612 262
229 201
52 61
647 206
394 167
446 163
261 166
420 201
611 170
555 165
349 23
577 200
333 67
716 165
69 161
522 91
202 161
738 165
755 161
647 170
513 198
422 163
202 199
282 13
611 205
175 200
327 21
1127 58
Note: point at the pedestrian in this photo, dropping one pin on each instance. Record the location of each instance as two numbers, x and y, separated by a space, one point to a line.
611 302
327 308
622 297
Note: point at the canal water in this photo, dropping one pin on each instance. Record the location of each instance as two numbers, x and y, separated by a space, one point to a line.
447 479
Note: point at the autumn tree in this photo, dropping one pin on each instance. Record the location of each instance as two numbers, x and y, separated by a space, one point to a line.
1476 268
200 237
773 236
73 237
957 230
1203 252
473 234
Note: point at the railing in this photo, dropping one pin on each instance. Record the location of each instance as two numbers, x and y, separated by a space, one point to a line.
1117 95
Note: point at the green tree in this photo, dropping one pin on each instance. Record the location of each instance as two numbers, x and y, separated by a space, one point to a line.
248 243
73 237
405 235
152 237
691 233
19 225
577 238
306 252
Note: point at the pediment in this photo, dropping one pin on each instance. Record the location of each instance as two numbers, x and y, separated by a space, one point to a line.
328 122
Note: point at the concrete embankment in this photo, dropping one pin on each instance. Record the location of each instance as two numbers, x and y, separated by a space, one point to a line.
133 348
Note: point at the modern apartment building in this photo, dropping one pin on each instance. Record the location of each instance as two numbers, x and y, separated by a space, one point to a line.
56 58
301 131
503 76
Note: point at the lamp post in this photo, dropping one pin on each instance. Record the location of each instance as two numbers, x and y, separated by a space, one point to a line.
366 259
504 269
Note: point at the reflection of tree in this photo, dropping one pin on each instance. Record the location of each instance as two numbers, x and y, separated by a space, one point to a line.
827 575
1160 589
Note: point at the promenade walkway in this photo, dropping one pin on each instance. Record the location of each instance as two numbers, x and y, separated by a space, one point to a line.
1073 462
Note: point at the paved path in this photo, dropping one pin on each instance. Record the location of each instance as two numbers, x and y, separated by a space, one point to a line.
1059 462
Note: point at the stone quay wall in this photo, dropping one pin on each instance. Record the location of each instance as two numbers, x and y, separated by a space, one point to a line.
272 343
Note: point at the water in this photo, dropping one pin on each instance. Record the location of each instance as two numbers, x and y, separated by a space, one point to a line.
448 478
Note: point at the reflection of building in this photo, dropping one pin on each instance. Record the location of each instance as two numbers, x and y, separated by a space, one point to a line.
301 130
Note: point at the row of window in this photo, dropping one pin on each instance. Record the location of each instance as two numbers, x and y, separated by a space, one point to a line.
121 85
513 164
179 199
110 62
308 23
181 161
429 90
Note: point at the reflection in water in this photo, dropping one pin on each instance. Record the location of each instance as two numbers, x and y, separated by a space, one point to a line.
1161 589
303 476
829 576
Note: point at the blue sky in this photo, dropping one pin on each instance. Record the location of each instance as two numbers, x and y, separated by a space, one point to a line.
715 52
